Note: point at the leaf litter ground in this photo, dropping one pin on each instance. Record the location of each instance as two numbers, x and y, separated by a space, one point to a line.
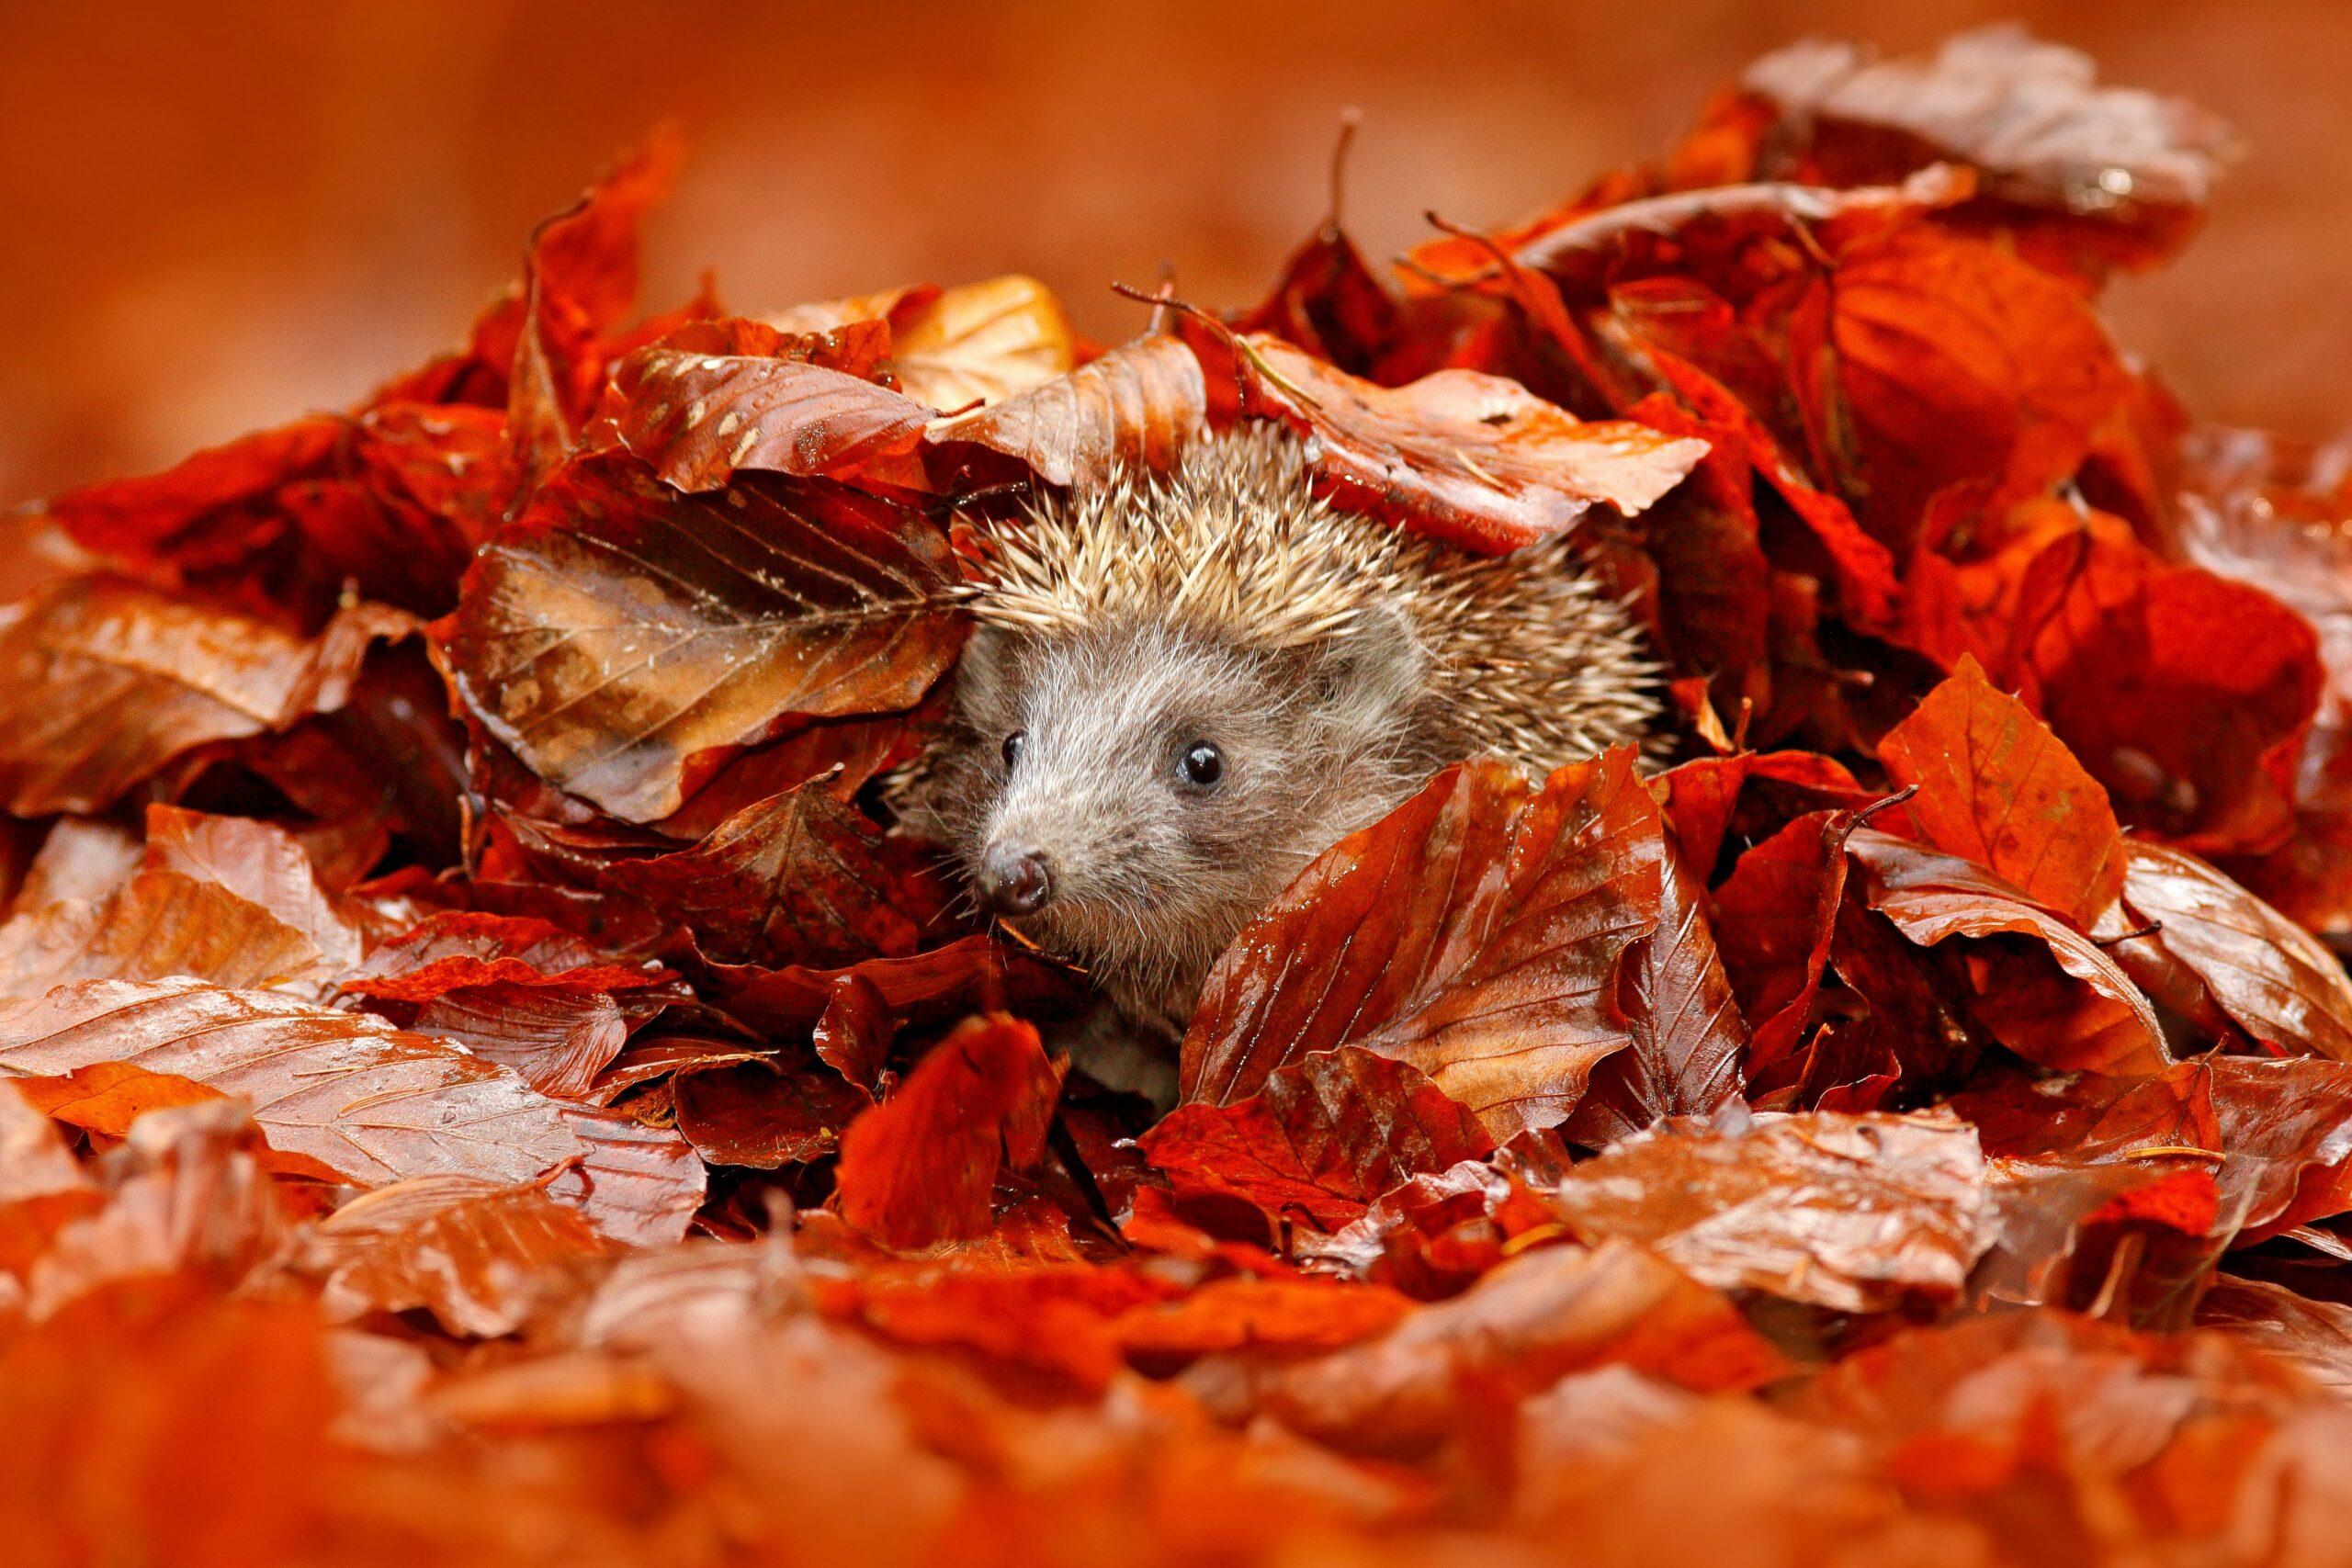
484 1084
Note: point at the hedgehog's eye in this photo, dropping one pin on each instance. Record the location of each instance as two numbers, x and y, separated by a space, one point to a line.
1204 764
1012 748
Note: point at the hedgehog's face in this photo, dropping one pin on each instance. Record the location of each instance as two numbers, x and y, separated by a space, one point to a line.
1136 794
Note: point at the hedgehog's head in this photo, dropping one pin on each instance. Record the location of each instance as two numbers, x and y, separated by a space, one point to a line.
1132 794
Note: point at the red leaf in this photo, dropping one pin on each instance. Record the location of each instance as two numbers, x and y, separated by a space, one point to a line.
1994 786
454 948
1776 914
765 1114
918 1169
797 878
151 517
2103 1024
1323 1137
1948 361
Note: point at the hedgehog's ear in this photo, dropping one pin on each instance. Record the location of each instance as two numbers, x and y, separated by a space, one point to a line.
984 675
1378 661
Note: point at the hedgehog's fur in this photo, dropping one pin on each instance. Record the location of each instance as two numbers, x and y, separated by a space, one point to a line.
1335 661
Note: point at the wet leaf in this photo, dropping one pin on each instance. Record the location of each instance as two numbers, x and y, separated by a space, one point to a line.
1136 407
765 1114
1322 1138
918 1169
2267 973
980 342
621 632
478 1255
797 878
346 1089
1474 934
2103 1024
699 419
1521 1328
106 682
1467 456
1851 1213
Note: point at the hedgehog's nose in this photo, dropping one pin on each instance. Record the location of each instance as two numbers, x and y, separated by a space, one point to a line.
1016 881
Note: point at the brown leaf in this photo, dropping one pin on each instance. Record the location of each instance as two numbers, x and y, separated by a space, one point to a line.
980 342
346 1089
1851 1213
855 1035
1994 786
2267 973
2104 1024
765 1114
1690 1039
796 878
641 1185
2029 116
699 419
479 1254
1474 933
1325 1137
558 1039
918 1169
158 923
103 682
2316 1335
1136 407
1467 456
621 631
259 863
1521 1328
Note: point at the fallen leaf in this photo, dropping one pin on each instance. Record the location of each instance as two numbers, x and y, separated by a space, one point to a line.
1474 933
621 632
1995 787
346 1089
918 1169
1323 1137
1849 1213
1135 408
477 1253
1467 456
107 682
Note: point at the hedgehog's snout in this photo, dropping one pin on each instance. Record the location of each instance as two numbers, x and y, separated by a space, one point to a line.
1016 879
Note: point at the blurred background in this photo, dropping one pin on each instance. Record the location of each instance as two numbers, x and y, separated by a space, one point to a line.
219 215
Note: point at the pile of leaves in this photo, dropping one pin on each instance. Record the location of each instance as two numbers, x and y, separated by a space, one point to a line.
485 1084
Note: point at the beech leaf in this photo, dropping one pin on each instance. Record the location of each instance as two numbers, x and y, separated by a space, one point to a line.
621 631
1474 933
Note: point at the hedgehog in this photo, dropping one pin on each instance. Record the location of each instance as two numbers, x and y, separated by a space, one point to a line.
1182 689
